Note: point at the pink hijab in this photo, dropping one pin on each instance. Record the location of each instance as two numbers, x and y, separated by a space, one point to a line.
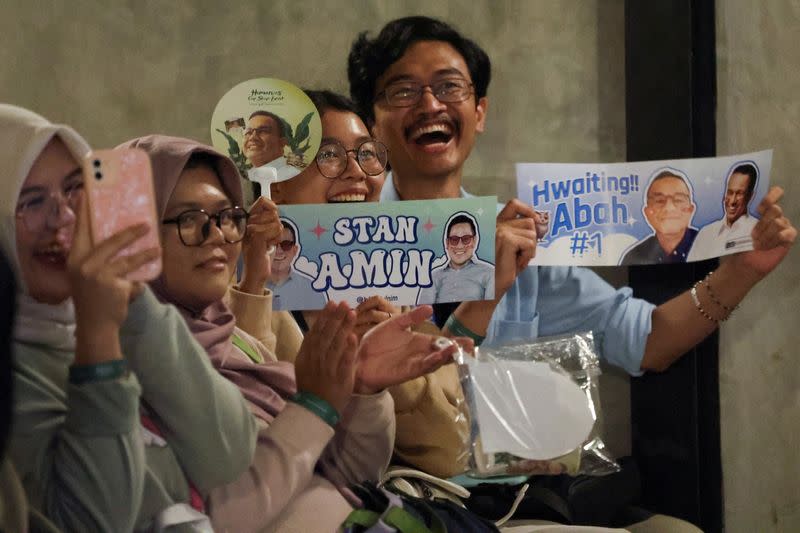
263 385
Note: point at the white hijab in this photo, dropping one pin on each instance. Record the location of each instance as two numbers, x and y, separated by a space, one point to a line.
23 136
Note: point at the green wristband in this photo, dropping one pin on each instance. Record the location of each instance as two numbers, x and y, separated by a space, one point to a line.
318 406
460 330
79 374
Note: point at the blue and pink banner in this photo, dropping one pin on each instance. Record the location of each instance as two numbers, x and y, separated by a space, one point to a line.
409 253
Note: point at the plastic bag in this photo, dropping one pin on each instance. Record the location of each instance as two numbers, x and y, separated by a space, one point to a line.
571 356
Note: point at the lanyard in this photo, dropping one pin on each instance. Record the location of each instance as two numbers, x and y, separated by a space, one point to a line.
247 349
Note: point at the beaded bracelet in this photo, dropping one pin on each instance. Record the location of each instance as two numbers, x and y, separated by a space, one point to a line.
114 369
318 406
699 307
714 298
460 330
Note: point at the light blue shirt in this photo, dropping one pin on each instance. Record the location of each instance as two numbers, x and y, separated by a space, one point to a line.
473 281
296 293
546 301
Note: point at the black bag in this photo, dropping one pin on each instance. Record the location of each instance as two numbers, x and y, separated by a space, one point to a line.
434 516
580 500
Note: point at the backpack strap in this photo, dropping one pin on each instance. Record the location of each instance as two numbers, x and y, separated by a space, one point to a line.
394 520
244 346
391 516
551 500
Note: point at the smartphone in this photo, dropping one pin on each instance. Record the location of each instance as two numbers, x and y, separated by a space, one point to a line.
119 189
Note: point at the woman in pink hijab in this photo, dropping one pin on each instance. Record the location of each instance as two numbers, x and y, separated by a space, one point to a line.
333 424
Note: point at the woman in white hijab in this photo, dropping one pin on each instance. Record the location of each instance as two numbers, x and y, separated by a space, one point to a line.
87 344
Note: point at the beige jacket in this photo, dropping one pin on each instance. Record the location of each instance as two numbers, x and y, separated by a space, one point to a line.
432 429
432 433
276 330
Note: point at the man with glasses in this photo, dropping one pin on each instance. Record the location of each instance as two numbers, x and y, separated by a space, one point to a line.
669 209
464 276
423 86
291 289
430 130
264 141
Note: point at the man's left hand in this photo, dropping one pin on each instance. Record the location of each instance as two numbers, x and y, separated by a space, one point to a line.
773 236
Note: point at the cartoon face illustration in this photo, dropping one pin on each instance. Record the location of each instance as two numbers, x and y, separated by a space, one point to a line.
460 242
285 252
669 208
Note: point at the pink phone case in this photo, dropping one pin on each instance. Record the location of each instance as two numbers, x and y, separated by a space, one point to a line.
119 186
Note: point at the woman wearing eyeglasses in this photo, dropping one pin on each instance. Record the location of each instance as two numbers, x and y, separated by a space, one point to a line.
326 421
89 347
349 167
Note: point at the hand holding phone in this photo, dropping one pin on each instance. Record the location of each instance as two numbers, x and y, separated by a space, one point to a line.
119 191
100 288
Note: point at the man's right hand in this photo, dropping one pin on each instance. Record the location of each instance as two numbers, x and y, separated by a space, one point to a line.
515 243
515 246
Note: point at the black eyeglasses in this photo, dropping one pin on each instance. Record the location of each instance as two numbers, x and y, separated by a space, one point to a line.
371 156
194 225
408 93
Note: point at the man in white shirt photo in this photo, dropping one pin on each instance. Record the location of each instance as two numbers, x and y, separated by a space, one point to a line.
264 141
290 288
732 231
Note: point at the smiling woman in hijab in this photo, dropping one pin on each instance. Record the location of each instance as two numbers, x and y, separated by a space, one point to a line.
337 426
87 343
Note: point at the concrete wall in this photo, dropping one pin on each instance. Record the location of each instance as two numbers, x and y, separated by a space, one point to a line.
159 66
758 107
115 70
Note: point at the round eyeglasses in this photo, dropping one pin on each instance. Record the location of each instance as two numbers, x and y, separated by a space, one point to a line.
408 93
194 225
37 209
371 156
